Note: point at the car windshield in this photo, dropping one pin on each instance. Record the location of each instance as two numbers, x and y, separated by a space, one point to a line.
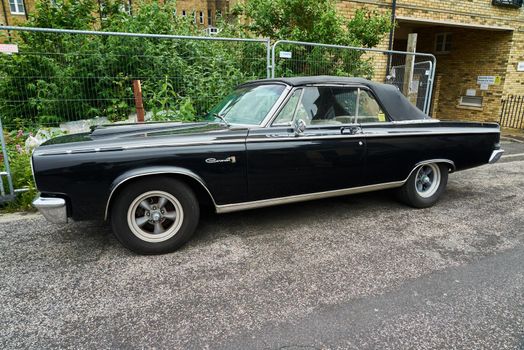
247 105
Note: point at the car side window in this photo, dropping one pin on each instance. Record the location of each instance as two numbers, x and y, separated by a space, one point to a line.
369 110
319 106
346 99
286 114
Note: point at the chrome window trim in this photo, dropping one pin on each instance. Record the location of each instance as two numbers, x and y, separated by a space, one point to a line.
160 172
359 87
305 137
284 103
228 208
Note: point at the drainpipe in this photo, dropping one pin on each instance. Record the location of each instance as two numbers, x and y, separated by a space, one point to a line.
26 10
391 32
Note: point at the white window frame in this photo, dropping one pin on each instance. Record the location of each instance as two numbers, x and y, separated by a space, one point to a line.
18 5
445 40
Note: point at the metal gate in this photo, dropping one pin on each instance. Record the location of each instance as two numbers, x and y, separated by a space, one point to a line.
295 58
512 114
420 84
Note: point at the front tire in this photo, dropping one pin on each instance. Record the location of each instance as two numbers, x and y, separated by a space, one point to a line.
424 186
155 215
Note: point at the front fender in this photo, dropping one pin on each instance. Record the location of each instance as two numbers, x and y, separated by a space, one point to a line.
148 171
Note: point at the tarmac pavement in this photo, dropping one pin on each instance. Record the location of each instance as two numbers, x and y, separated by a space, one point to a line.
355 272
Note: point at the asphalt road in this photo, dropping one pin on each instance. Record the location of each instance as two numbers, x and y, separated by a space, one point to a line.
353 272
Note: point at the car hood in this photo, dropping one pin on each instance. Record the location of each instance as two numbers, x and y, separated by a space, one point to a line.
109 137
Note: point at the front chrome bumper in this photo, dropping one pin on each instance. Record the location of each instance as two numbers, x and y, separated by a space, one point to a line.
53 209
495 156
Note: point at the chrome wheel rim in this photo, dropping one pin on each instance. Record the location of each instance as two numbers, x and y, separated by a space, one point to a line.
155 216
427 180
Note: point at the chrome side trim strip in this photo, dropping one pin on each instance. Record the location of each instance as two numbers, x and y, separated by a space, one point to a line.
363 135
495 155
160 172
228 208
140 146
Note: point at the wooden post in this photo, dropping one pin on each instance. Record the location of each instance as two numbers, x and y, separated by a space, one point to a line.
410 64
137 92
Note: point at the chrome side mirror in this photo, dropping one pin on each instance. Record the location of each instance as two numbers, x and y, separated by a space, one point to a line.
299 126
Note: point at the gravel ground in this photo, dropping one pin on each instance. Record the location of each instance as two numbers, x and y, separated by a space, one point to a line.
352 272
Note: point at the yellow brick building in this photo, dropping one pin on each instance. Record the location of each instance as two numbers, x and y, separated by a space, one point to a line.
471 39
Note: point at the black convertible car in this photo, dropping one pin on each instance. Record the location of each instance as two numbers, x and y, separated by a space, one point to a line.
270 142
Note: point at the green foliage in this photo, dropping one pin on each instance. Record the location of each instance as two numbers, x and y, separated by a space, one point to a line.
19 161
316 21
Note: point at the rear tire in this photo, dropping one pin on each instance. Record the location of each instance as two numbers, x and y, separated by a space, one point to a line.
155 215
424 186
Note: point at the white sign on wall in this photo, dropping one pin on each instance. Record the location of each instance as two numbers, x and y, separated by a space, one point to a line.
520 66
486 79
471 92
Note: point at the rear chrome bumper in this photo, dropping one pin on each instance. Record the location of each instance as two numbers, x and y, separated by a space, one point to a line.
53 209
495 156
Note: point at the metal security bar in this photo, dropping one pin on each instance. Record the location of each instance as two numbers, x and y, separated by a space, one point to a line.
295 58
512 114
6 194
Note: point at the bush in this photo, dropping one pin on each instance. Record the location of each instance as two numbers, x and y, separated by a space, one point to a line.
19 161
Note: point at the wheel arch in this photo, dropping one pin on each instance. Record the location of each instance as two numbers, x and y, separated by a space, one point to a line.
449 162
194 181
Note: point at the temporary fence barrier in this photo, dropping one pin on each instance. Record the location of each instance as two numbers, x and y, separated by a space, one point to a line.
296 58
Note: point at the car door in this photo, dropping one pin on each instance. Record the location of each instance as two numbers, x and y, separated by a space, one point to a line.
390 154
328 155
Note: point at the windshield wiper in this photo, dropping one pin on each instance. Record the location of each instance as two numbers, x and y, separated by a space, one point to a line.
222 118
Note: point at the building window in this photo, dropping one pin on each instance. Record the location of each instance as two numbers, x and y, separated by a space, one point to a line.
17 7
125 7
183 13
218 14
443 43
471 101
201 17
509 3
209 18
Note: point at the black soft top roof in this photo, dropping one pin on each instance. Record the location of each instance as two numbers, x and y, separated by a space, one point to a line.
396 104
